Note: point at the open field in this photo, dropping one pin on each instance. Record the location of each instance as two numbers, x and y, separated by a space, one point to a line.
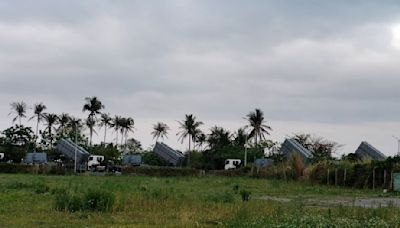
30 200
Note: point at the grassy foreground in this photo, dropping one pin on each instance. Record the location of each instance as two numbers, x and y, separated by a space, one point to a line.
30 201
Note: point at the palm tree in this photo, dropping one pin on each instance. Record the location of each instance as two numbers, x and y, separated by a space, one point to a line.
257 125
116 124
189 128
160 131
93 106
201 139
38 114
240 137
90 123
106 122
219 138
126 125
63 121
50 120
18 108
76 125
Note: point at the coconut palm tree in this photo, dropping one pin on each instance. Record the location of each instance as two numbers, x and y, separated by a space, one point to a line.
240 137
219 138
160 131
50 120
19 109
63 121
257 125
201 140
106 122
93 106
126 125
38 114
189 128
116 124
90 123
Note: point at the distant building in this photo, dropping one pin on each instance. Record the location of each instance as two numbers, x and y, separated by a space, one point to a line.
367 151
291 146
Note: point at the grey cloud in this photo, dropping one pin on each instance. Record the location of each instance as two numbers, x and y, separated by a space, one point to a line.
308 61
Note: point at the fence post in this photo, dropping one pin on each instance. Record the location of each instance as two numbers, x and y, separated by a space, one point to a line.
384 178
373 178
335 177
345 176
327 178
391 180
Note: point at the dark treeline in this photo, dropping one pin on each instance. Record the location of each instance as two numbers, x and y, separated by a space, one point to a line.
205 150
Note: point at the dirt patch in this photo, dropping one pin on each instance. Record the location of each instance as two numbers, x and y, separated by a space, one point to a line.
375 202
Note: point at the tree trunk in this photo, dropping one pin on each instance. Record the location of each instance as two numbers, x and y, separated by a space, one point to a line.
91 134
116 137
189 151
37 129
105 135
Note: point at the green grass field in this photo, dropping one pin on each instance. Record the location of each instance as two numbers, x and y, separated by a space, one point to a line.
30 201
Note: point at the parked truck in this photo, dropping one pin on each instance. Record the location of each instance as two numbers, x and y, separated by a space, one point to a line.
84 160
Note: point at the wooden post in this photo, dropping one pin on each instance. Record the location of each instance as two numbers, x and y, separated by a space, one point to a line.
327 178
345 176
373 178
391 180
384 178
335 177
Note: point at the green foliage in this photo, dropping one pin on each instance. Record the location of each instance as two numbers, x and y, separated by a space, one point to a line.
108 151
151 158
98 200
18 135
221 197
215 159
245 195
91 200
40 188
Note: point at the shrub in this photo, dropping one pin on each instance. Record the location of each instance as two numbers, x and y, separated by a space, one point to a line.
245 195
225 197
40 188
17 185
98 200
61 200
74 203
236 188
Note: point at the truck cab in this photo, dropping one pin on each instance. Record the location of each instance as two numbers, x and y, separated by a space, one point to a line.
95 163
232 163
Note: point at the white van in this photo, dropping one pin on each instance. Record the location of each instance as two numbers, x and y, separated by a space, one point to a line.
232 163
94 162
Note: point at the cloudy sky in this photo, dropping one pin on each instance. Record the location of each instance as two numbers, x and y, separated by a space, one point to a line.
330 68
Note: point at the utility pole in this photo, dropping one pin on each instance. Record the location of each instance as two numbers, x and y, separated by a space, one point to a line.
76 143
398 145
245 152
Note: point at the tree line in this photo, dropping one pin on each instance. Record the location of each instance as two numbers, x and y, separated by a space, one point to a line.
64 125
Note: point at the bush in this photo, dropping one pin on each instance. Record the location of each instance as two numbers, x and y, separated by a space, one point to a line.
225 197
40 188
245 195
61 200
98 200
92 200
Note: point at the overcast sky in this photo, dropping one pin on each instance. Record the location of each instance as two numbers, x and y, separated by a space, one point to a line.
329 68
